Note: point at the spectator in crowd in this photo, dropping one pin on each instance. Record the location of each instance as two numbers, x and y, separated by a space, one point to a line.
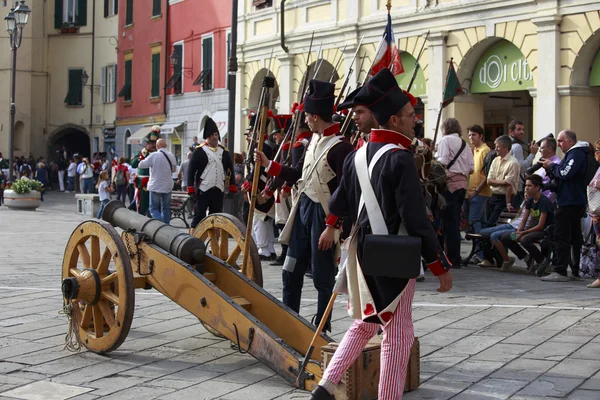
3 163
182 177
524 154
539 214
131 187
572 201
548 151
104 191
87 177
595 183
162 164
503 179
121 179
71 174
42 176
195 143
61 165
3 179
458 159
478 191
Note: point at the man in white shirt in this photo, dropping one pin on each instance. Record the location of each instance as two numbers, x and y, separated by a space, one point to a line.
457 157
162 164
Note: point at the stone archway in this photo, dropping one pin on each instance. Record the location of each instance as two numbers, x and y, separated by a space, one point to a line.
75 138
326 72
256 89
582 66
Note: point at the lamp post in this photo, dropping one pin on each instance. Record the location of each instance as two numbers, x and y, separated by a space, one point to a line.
15 22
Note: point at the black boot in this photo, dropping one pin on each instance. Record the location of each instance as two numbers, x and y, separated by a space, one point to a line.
279 260
321 394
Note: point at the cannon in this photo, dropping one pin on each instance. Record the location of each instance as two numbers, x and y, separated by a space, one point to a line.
102 269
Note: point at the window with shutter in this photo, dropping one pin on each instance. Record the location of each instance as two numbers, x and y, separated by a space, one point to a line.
81 12
126 90
155 91
156 7
207 62
129 12
75 90
176 81
103 85
110 8
58 14
112 83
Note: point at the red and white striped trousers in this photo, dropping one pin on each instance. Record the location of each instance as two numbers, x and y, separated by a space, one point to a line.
398 338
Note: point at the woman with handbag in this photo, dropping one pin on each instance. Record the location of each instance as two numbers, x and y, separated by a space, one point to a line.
593 192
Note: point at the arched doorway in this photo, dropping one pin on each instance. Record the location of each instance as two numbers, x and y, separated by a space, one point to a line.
73 137
497 79
418 88
256 90
326 72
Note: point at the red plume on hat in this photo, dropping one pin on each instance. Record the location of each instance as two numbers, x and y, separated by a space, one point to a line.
295 107
251 113
413 100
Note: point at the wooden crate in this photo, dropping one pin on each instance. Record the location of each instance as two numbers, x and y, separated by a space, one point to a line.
361 380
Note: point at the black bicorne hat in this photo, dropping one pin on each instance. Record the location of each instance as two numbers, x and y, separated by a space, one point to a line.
382 96
320 98
210 127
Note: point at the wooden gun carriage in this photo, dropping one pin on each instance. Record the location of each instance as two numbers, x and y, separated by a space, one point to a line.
101 271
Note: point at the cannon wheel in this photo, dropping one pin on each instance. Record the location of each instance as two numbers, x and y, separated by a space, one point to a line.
95 249
216 230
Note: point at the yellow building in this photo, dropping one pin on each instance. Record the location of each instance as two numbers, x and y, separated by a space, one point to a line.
536 61
63 41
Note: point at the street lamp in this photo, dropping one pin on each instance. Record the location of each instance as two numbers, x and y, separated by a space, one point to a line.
84 80
15 21
174 57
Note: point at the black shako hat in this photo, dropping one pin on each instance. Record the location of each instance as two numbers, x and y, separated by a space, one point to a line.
320 98
252 123
349 100
209 128
382 96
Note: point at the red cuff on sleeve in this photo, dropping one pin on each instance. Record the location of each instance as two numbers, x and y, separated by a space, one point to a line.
333 221
287 189
269 193
436 268
274 169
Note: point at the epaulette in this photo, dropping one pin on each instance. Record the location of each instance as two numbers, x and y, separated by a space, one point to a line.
200 145
223 147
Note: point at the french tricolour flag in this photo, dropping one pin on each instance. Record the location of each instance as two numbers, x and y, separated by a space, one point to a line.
388 55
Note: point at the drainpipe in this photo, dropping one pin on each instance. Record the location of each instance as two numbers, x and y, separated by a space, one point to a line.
233 67
167 62
283 46
92 76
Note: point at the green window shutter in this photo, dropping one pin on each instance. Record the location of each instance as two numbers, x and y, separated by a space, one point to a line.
116 6
156 7
75 94
128 65
81 19
179 69
106 5
129 13
155 92
207 60
58 13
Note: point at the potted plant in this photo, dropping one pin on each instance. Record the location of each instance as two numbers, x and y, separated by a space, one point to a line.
68 27
23 194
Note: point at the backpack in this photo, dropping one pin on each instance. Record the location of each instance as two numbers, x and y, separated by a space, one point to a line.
120 178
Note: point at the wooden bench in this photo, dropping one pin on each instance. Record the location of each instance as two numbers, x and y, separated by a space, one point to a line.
505 218
179 206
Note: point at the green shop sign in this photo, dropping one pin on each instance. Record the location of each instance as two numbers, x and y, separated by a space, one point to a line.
595 75
502 68
419 87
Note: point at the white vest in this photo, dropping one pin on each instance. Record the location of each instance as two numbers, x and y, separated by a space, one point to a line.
214 174
322 173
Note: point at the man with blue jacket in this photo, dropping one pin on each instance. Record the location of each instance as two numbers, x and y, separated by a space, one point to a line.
571 200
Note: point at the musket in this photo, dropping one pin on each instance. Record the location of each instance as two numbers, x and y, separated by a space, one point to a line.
337 64
417 65
350 70
362 64
318 62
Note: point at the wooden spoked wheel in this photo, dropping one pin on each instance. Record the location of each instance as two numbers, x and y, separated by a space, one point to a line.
98 284
216 230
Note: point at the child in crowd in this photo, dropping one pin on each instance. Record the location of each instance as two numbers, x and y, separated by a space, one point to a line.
2 186
104 190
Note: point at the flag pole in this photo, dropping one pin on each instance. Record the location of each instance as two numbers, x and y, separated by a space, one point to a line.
437 125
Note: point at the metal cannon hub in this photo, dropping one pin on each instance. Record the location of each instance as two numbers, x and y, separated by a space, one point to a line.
86 287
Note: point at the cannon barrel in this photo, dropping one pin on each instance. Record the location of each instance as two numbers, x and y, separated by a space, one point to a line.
183 246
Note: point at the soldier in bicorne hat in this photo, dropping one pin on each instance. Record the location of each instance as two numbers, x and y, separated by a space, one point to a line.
318 174
383 300
142 195
209 167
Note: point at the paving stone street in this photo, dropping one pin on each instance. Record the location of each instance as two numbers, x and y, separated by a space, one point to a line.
494 336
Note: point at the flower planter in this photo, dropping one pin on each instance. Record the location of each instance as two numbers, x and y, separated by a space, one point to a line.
25 201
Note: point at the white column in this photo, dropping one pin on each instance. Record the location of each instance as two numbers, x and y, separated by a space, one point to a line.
437 71
240 143
286 71
348 56
547 106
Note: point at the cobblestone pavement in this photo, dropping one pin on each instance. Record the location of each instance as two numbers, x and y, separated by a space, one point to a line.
494 336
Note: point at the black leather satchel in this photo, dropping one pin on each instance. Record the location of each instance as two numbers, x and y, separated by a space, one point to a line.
392 256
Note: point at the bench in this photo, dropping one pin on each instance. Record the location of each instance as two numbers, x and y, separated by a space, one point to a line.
179 206
505 218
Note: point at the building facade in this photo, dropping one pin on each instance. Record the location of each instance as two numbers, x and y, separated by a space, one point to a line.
199 34
64 41
141 71
532 60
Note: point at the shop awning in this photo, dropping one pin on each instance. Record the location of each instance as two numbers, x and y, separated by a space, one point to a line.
138 137
221 119
170 128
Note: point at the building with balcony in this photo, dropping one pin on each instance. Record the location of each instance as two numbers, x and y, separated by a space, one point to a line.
199 35
64 41
537 61
141 71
